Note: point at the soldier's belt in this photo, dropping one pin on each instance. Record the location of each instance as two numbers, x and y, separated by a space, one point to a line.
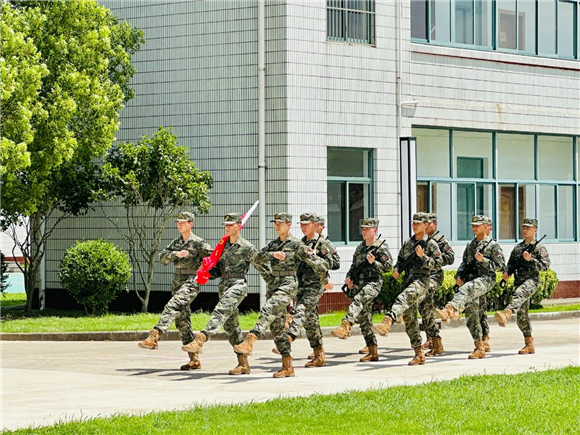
528 275
186 271
418 272
369 278
233 275
279 273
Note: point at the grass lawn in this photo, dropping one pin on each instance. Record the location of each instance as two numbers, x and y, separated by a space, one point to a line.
11 299
529 403
15 321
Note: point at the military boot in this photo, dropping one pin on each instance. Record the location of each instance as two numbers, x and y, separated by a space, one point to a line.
275 350
319 358
479 351
373 354
502 316
448 313
287 371
311 356
428 344
193 364
364 350
196 345
151 341
246 346
437 347
419 357
343 331
243 368
486 345
383 327
529 347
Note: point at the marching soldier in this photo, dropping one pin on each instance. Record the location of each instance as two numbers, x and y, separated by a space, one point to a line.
364 281
186 253
418 256
526 261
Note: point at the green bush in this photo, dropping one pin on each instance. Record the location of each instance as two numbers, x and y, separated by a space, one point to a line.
94 272
497 298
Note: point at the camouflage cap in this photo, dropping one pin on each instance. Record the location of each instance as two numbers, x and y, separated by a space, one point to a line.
419 218
321 220
184 216
232 218
369 223
306 218
530 222
282 217
489 222
479 219
432 217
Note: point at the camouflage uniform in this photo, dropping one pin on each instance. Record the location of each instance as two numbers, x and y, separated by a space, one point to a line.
436 277
415 285
368 285
479 282
184 288
526 281
311 278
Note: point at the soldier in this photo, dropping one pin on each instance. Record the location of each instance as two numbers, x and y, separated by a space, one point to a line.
526 261
435 282
186 253
475 277
311 280
232 268
418 256
283 255
483 304
364 281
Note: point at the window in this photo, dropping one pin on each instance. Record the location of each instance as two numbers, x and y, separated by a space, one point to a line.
349 192
419 19
532 176
351 21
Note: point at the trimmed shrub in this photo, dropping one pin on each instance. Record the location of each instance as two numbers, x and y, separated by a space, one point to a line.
93 273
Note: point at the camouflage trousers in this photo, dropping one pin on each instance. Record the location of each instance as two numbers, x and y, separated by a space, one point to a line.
520 303
273 313
483 316
427 308
306 314
468 299
407 304
225 314
178 310
360 310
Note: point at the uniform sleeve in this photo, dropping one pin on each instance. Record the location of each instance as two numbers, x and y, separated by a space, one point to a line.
216 271
353 265
512 262
432 256
167 256
332 256
383 260
541 258
447 253
464 262
400 258
496 261
263 256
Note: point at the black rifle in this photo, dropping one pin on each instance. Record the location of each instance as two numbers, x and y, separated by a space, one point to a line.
354 276
471 266
413 258
521 261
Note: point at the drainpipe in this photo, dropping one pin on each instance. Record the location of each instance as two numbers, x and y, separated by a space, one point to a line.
262 135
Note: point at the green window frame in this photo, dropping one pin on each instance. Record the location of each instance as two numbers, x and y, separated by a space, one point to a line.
351 21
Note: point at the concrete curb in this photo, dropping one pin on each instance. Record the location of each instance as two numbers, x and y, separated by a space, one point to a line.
174 335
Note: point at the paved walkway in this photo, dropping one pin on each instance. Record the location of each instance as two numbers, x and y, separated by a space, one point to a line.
45 382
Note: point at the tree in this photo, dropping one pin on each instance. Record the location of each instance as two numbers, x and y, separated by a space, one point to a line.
81 56
153 179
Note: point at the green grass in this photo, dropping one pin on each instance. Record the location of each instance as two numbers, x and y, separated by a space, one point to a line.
12 299
529 403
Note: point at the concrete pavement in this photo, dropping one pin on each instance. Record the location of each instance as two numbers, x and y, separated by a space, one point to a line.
45 382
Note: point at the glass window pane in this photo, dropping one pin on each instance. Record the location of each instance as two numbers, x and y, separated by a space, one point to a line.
547 223
484 199
465 210
566 14
526 205
483 23
440 20
441 204
348 162
422 196
358 209
335 22
555 158
565 212
464 21
527 26
506 10
547 27
507 209
419 19
336 211
472 154
515 156
432 152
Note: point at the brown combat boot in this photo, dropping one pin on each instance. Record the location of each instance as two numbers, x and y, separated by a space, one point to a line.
419 357
243 368
196 345
373 354
383 327
319 358
343 331
364 350
193 364
287 371
311 356
151 341
246 346
479 351
448 313
502 316
428 344
437 348
486 345
529 347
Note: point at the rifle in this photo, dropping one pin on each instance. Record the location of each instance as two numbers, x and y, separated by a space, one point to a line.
413 257
470 266
358 269
521 261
